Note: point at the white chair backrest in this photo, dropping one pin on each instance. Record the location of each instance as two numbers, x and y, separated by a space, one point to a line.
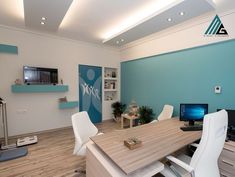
83 127
166 112
205 159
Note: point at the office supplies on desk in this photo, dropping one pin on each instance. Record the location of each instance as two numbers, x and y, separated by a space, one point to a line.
132 143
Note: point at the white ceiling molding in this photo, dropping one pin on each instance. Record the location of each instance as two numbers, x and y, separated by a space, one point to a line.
45 14
163 20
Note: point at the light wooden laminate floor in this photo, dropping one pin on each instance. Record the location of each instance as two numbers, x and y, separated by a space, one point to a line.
51 156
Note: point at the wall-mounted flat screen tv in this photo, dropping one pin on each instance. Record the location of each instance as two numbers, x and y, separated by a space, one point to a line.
36 75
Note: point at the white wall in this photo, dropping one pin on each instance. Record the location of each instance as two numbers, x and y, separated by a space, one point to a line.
45 51
186 35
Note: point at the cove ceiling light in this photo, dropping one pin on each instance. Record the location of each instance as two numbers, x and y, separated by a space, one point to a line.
151 9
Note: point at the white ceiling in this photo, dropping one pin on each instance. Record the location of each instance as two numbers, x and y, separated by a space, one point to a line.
86 20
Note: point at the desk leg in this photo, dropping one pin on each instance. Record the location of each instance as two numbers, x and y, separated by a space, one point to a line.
131 123
122 122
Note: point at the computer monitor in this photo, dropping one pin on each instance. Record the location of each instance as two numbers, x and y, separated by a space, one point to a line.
193 112
231 117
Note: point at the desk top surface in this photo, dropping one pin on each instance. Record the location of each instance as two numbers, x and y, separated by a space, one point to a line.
158 140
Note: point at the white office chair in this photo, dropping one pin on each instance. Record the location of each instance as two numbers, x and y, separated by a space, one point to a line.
166 113
204 162
83 129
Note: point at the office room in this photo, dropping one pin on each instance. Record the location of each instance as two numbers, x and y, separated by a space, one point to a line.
117 88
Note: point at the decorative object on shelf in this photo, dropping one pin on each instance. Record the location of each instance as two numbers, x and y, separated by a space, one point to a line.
106 85
114 74
132 109
118 109
18 82
146 114
109 98
62 100
133 143
107 75
61 81
112 85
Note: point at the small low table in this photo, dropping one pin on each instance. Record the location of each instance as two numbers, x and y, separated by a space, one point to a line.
131 118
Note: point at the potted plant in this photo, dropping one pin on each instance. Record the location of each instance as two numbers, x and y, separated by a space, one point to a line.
146 114
118 109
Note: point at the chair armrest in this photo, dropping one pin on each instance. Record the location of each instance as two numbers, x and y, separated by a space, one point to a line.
182 164
194 145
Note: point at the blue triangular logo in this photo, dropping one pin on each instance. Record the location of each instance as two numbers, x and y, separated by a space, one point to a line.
216 27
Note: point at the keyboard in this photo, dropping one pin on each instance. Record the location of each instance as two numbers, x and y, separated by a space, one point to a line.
191 128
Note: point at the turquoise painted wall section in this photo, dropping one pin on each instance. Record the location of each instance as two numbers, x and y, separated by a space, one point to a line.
187 76
8 49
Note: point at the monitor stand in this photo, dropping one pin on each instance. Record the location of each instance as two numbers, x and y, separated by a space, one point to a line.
192 123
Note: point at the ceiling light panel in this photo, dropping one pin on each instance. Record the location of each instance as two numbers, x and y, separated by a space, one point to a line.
151 9
53 11
160 22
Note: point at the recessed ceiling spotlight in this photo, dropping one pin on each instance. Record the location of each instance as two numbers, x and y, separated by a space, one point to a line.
117 42
42 23
122 40
181 13
43 18
169 19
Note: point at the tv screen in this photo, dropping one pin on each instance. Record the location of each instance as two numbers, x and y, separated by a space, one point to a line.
193 112
36 75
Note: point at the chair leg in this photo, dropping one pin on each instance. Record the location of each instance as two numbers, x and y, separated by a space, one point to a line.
82 170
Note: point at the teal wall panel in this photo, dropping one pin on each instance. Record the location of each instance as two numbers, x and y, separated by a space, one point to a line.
8 49
38 88
187 76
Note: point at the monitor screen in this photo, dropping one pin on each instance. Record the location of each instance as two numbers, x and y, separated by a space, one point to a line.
193 112
231 117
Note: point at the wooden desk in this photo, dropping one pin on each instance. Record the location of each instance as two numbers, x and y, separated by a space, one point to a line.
130 118
227 160
159 140
100 165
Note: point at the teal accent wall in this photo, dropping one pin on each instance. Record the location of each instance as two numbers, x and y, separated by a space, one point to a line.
8 49
187 76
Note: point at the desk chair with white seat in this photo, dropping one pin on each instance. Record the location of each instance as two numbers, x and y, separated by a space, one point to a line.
83 129
166 113
204 162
